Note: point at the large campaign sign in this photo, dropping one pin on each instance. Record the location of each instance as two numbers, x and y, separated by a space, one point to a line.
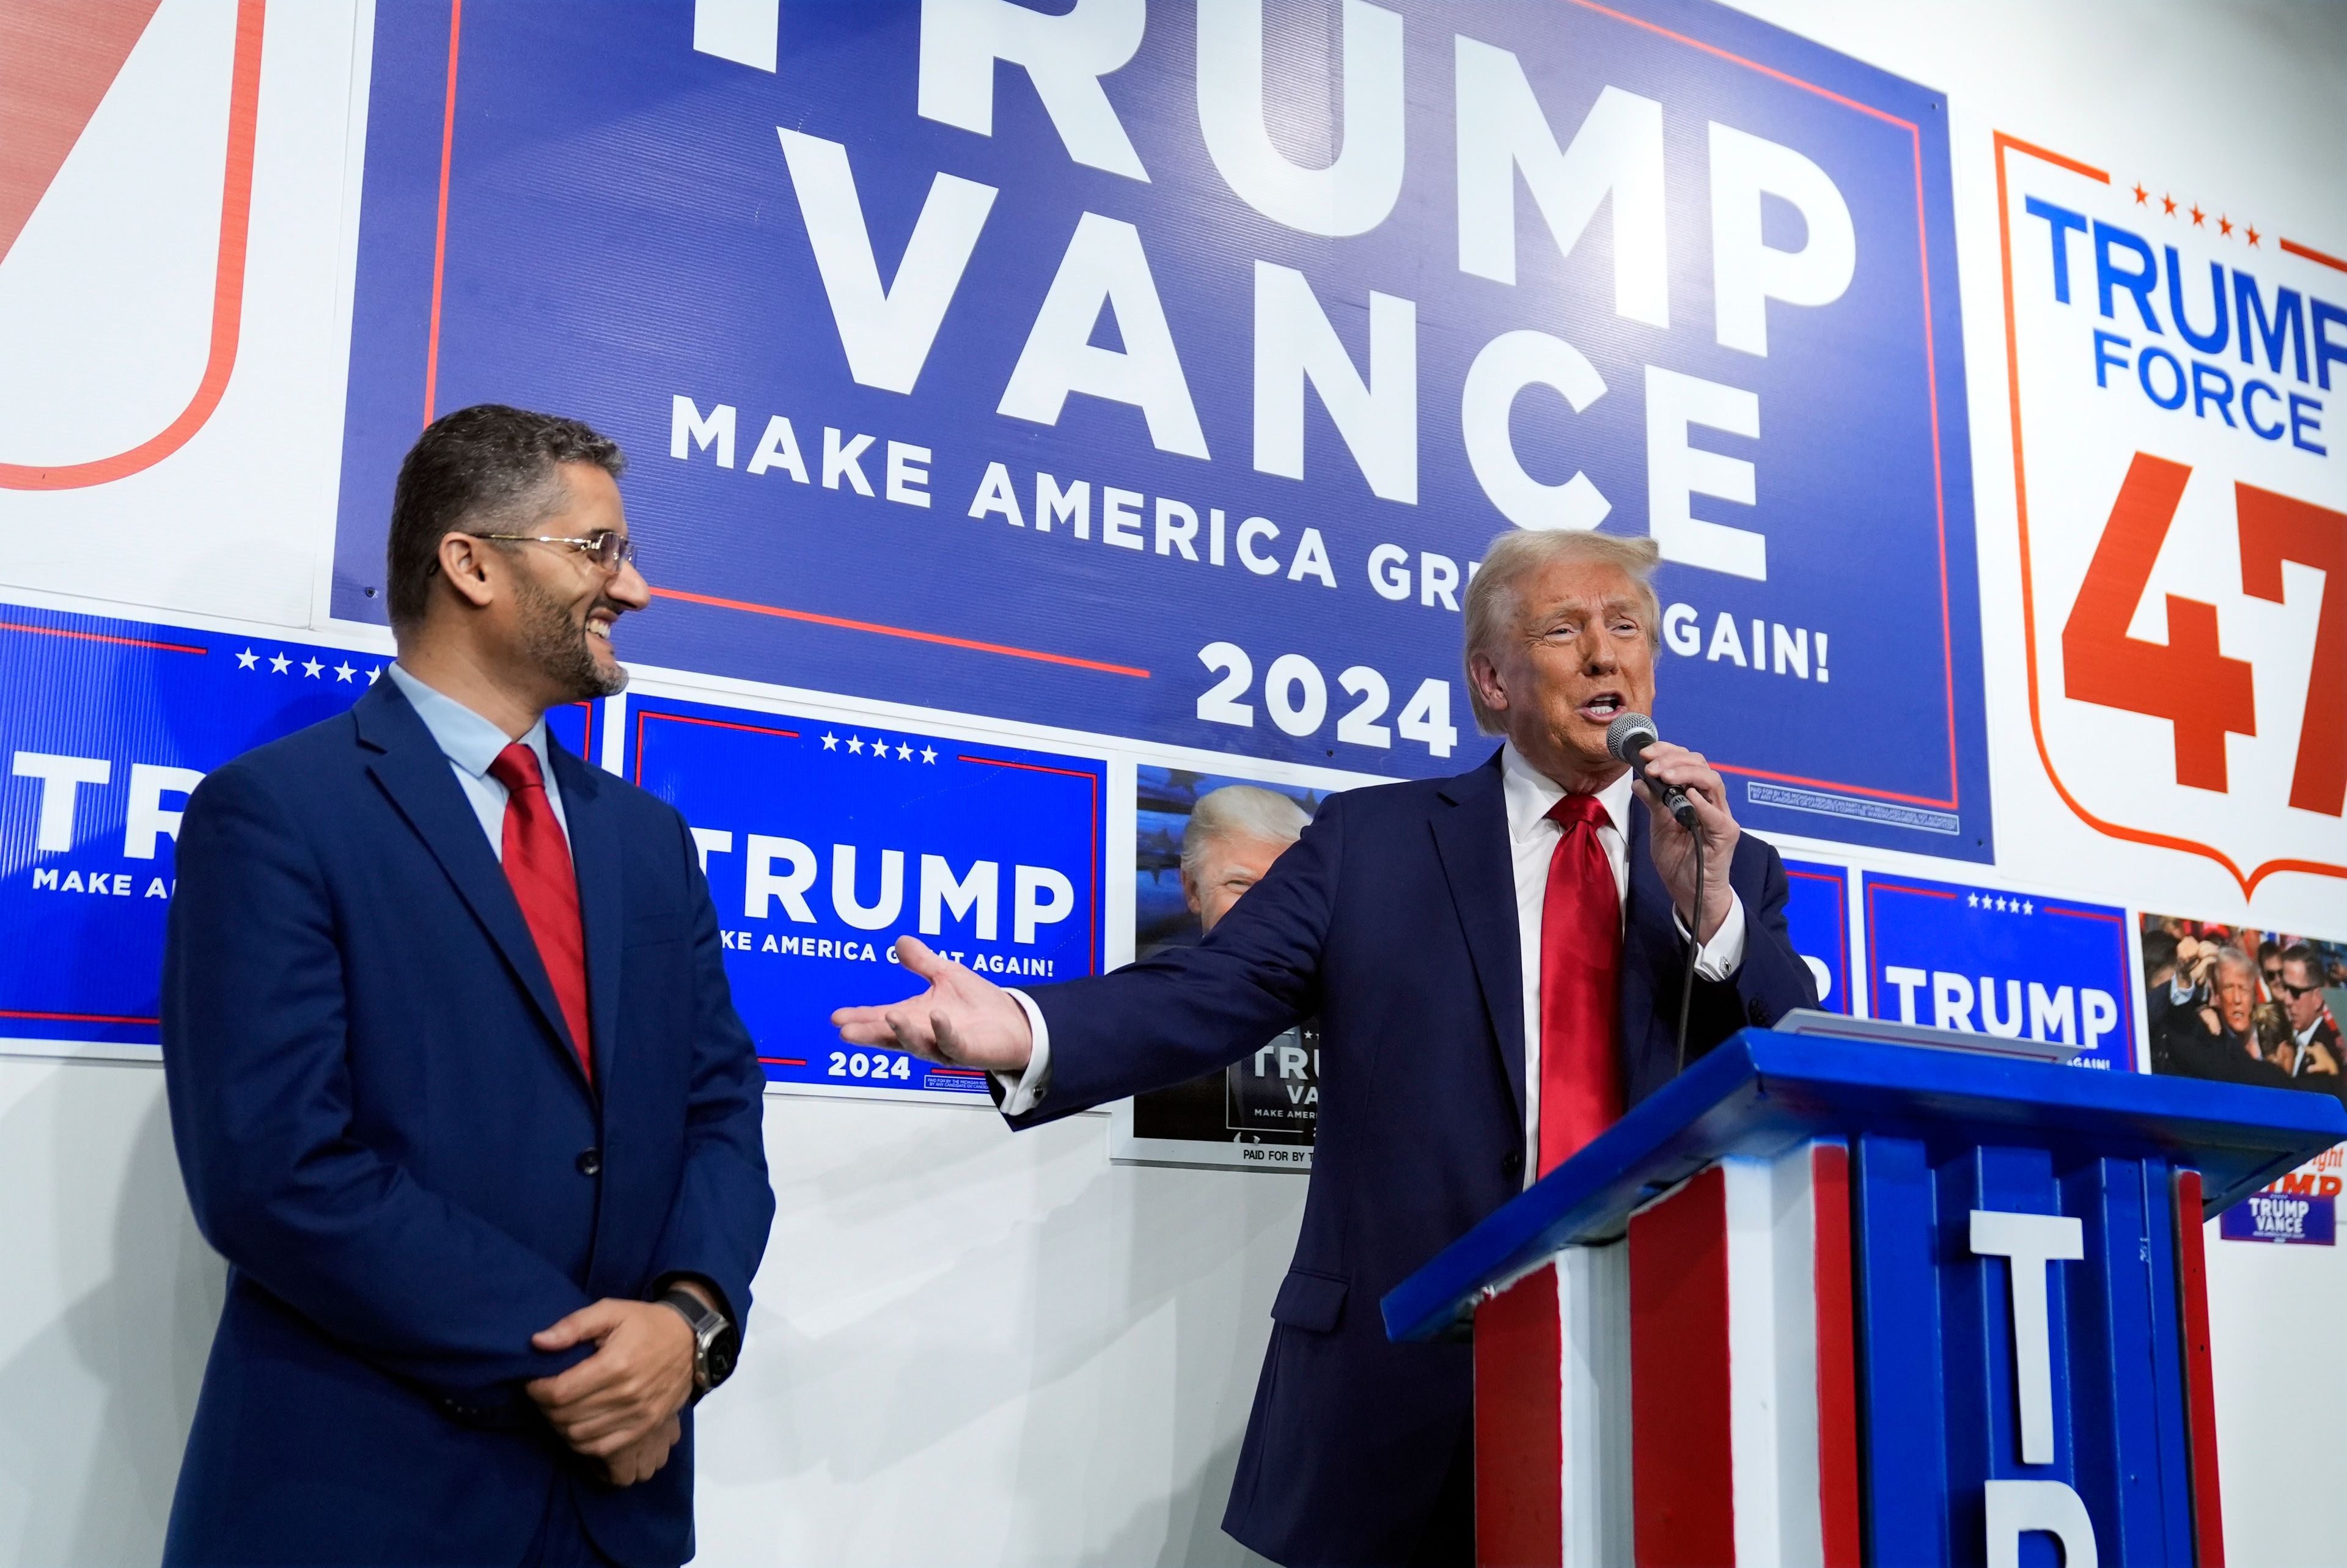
97 778
2179 413
1991 962
1163 371
823 841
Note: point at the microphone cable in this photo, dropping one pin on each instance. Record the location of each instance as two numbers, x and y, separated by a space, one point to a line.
1695 948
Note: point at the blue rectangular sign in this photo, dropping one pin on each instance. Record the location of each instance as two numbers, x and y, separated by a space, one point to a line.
1997 962
2289 1219
1163 371
1816 912
116 721
823 841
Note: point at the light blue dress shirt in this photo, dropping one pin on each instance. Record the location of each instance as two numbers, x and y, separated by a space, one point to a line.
471 744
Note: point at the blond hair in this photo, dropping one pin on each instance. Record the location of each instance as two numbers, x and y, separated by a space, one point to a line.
1492 602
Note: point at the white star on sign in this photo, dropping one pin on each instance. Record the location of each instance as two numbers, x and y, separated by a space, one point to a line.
372 672
344 671
905 751
1973 899
310 667
2025 907
247 659
856 744
279 664
879 749
929 753
830 742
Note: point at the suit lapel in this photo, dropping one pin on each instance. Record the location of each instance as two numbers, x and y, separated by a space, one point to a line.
1470 836
1653 959
595 855
413 770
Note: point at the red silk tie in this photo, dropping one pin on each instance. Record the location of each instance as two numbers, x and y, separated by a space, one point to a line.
1581 963
537 864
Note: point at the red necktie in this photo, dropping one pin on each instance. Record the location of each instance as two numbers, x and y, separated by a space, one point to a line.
537 864
1580 961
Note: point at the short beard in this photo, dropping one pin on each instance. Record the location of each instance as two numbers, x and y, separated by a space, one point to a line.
557 646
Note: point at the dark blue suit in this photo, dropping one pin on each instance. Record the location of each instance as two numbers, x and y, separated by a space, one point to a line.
1394 919
384 1128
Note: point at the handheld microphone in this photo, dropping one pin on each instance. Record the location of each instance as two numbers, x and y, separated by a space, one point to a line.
1626 737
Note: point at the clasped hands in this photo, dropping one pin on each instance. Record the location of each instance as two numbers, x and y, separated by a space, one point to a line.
620 1404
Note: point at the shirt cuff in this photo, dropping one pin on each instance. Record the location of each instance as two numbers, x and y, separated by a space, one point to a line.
1724 953
1022 1091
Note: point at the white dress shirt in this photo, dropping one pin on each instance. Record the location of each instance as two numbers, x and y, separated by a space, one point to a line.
471 744
2305 1042
1532 841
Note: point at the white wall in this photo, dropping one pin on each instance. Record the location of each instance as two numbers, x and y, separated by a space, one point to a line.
970 1347
967 1347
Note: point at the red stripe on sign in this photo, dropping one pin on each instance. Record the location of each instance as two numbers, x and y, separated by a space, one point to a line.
1519 1425
1837 1492
2199 1377
76 1016
1682 1464
440 220
811 617
2311 254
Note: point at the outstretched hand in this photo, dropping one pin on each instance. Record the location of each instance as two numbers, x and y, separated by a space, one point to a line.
1674 846
961 1021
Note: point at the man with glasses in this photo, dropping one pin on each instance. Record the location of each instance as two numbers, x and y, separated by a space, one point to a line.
2312 1049
456 1081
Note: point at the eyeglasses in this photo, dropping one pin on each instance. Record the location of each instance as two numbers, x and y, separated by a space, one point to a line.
611 551
2285 988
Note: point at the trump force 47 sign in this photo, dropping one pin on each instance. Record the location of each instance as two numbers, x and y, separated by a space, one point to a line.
2181 456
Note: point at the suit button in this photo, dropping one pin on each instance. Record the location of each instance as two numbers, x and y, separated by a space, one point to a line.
590 1161
1512 1164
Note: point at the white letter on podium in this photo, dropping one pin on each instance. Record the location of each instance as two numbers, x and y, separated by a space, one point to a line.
2029 1242
2017 1507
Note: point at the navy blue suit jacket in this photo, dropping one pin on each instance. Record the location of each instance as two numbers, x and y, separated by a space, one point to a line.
384 1128
1394 919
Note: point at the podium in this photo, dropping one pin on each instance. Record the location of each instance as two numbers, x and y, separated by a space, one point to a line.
1841 1302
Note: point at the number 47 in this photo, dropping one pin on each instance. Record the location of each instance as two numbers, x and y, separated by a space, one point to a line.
2188 680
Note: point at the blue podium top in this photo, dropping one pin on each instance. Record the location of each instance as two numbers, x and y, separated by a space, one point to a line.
1761 1093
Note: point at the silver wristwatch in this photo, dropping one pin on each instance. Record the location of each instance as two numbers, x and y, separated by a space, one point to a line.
715 1342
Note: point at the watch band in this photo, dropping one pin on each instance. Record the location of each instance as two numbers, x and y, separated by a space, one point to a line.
712 1358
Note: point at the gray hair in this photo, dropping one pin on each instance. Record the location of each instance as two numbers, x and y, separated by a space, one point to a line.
1239 811
1492 602
2231 958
